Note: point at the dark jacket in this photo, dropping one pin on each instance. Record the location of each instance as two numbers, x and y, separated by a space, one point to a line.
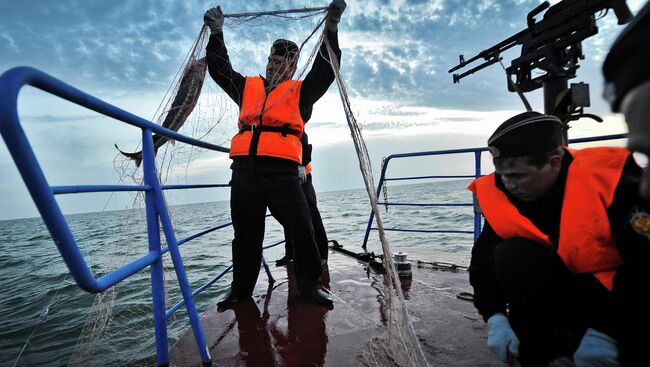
314 86
544 213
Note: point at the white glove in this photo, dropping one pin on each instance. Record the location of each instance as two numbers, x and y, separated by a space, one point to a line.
213 18
334 12
501 338
302 174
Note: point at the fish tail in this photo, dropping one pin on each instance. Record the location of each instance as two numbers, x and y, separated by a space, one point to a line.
136 156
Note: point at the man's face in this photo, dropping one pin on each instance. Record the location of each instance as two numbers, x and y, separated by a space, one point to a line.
527 182
278 69
636 108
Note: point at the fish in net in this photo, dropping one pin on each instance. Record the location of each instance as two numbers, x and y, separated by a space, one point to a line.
187 95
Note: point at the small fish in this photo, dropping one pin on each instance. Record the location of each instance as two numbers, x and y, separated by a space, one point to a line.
181 108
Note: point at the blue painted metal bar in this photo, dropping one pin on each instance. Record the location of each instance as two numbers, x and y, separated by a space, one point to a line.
39 189
198 291
423 204
181 275
157 276
383 178
437 152
209 283
477 173
178 187
12 82
425 177
60 190
272 245
268 271
118 275
477 214
187 239
597 138
43 195
422 230
14 79
372 212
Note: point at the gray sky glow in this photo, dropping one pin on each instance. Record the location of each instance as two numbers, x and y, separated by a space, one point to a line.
396 54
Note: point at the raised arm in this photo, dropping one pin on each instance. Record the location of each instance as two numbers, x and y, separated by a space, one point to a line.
217 58
321 75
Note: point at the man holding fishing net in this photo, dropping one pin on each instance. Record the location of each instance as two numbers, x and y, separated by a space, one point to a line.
267 152
563 227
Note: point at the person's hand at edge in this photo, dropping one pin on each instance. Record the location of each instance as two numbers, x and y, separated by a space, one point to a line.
334 12
596 349
502 340
213 19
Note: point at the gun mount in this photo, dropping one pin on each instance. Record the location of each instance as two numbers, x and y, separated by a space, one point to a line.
551 47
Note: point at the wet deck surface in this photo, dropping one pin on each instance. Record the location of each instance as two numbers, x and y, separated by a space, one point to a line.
279 328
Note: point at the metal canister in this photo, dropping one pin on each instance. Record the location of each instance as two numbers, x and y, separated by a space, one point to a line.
401 264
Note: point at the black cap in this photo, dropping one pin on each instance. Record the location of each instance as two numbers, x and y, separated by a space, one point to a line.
282 47
626 65
526 134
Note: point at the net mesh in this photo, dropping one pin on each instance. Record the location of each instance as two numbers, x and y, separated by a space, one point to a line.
118 317
401 345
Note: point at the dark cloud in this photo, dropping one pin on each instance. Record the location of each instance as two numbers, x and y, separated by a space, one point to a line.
99 44
400 52
422 41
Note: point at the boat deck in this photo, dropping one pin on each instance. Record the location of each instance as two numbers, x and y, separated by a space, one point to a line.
277 327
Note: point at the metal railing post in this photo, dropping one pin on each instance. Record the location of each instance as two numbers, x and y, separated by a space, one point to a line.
157 280
477 214
372 212
268 271
161 209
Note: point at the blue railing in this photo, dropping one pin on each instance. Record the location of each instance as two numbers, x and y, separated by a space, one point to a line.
476 152
42 193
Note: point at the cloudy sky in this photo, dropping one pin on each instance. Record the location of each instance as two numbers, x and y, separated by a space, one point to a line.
396 55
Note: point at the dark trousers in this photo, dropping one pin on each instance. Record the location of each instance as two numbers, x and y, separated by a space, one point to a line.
317 222
550 308
251 194
631 287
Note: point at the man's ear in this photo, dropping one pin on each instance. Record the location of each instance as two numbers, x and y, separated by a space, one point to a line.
555 162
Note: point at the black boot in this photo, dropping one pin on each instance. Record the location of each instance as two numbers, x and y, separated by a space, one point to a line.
319 296
228 302
283 261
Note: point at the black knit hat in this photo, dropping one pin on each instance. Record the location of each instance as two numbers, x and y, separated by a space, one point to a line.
526 134
626 65
282 47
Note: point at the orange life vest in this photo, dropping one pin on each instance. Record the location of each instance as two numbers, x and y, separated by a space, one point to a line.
586 244
279 115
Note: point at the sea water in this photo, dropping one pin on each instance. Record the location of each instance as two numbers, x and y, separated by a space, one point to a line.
43 311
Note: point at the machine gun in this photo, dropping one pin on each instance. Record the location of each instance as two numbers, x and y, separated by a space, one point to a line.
551 46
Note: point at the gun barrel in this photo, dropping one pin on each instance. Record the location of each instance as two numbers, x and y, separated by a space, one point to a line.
458 77
492 53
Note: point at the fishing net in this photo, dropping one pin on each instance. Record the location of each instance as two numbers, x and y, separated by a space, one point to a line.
401 345
210 115
120 316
